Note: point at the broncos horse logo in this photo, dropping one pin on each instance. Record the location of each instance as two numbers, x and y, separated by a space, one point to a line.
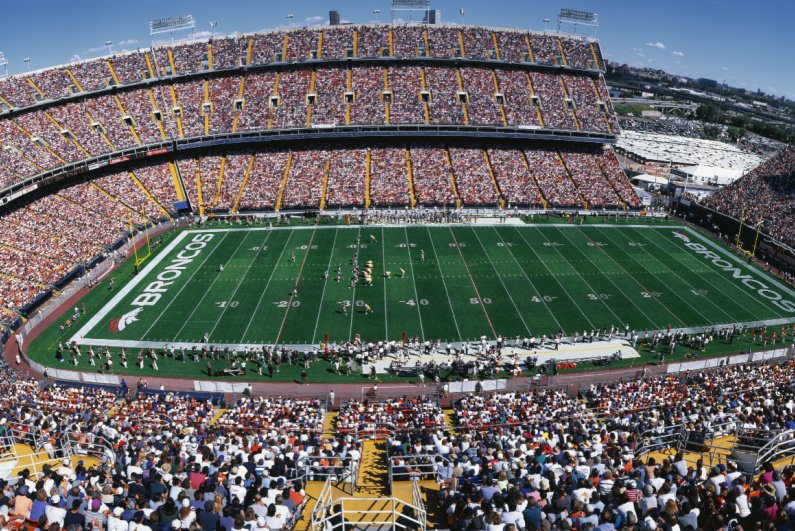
681 236
120 323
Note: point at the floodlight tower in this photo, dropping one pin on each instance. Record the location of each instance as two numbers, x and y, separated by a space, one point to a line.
410 6
572 16
377 12
109 44
4 63
170 25
27 62
463 12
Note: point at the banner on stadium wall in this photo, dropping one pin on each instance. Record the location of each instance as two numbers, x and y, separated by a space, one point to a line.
106 379
117 160
742 358
97 165
469 387
157 151
714 362
219 387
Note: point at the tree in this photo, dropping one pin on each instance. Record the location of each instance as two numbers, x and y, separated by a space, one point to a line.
712 132
707 113
626 95
736 133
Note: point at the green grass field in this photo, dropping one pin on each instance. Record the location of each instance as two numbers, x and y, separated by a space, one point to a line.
502 280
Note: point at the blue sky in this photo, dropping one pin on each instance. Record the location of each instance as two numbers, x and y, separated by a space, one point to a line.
744 43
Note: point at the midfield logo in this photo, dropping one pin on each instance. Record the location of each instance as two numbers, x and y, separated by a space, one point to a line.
120 323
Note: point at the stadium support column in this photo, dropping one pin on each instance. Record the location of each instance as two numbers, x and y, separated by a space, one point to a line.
367 181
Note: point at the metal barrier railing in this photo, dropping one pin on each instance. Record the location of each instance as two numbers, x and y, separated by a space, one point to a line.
329 514
344 472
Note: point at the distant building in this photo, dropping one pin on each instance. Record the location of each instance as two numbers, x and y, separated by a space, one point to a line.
432 16
334 18
708 82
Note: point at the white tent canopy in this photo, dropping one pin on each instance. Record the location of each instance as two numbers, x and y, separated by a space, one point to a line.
651 179
701 173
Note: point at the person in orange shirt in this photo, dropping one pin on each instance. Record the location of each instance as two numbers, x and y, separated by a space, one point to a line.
22 504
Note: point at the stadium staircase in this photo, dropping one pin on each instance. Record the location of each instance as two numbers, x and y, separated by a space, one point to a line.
243 187
372 500
216 416
573 182
449 418
122 203
452 176
124 113
497 90
532 175
240 93
367 181
73 140
533 92
175 103
599 98
386 89
566 93
220 180
461 89
113 73
199 188
325 184
493 178
155 107
180 189
151 198
284 181
411 178
425 88
102 133
612 186
207 115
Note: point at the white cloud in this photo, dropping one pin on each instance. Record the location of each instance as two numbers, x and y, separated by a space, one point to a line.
679 62
637 49
75 57
98 49
726 68
641 55
313 20
206 34
659 45
649 59
680 54
128 42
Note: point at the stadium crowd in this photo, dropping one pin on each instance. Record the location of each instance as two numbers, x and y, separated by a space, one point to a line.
766 193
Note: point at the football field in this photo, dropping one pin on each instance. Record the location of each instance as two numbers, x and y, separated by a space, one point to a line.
454 283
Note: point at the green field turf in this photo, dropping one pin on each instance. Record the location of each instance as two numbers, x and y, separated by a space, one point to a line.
502 280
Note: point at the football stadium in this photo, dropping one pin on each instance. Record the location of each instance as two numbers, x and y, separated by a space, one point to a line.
379 276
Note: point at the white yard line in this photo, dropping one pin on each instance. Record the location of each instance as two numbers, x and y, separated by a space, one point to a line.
414 283
184 285
356 281
383 258
126 289
684 282
555 277
275 267
683 299
325 284
439 265
232 296
519 313
209 288
629 298
538 293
